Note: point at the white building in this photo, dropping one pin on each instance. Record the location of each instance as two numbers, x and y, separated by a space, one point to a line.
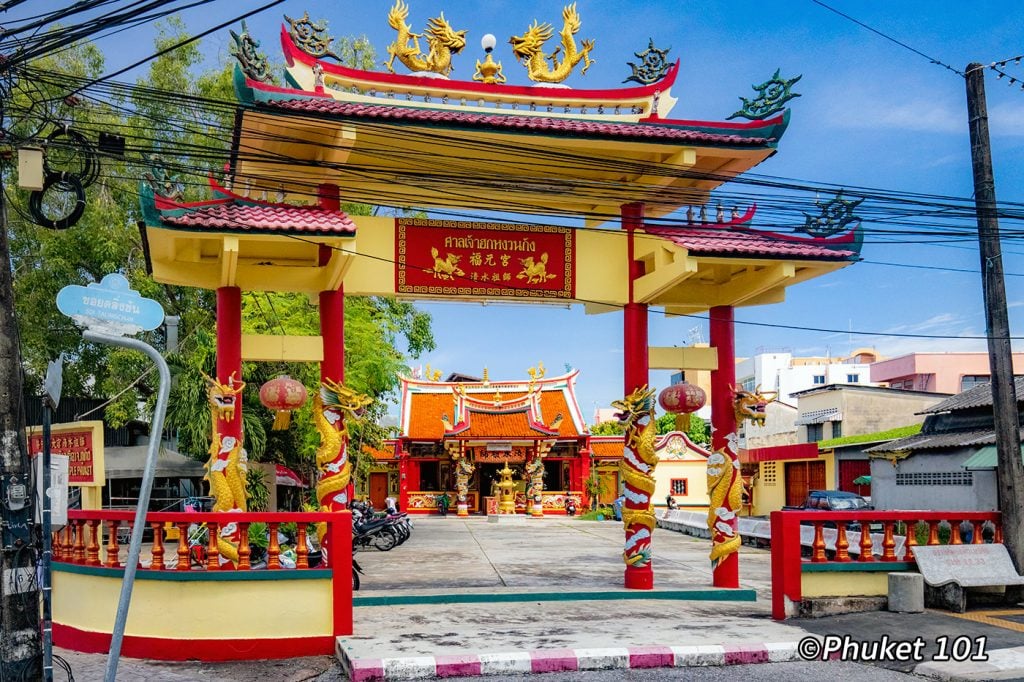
785 375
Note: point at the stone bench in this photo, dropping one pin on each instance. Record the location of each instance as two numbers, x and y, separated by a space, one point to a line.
950 570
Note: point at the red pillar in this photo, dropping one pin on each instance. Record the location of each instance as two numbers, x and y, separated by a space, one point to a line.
332 331
403 476
229 352
635 365
723 423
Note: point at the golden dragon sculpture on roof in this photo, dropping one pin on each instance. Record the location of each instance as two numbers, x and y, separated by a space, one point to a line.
442 39
529 49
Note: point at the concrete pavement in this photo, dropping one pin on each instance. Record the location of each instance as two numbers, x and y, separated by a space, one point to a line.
464 597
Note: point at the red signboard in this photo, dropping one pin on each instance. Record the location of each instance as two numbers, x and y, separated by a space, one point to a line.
488 260
78 447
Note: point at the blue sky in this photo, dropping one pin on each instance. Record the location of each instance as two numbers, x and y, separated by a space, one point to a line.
871 114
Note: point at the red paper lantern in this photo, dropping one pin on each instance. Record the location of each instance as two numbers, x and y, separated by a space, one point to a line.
283 394
682 399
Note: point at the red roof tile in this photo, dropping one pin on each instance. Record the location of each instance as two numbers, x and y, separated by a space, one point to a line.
645 131
747 243
263 218
425 419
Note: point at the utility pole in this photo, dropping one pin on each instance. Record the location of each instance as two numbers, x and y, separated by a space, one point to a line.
1004 394
20 652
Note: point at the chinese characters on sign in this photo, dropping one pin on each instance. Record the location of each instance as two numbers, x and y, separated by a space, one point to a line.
489 260
82 446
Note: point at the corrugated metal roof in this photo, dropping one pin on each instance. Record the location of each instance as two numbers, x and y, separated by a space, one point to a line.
979 396
935 441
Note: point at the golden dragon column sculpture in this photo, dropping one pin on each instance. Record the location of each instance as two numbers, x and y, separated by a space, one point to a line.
333 407
529 49
227 466
725 485
637 471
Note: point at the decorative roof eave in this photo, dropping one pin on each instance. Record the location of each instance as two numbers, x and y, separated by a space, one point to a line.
566 383
705 239
653 99
197 216
752 134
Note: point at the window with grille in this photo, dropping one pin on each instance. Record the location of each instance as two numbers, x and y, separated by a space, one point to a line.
837 429
814 433
936 478
678 486
852 378
769 473
819 379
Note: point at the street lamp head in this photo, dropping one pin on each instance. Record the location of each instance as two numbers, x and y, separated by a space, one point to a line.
488 42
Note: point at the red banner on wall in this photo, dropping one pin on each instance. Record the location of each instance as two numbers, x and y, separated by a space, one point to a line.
489 260
78 447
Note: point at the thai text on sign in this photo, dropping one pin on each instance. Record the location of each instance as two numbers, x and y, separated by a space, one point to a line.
486 260
77 446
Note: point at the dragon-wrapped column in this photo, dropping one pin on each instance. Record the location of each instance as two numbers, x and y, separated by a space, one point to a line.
535 487
724 481
637 472
463 470
226 468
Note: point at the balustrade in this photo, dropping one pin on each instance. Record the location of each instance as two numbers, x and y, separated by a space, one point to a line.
832 544
96 538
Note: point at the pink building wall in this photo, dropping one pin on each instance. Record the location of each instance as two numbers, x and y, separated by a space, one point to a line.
937 372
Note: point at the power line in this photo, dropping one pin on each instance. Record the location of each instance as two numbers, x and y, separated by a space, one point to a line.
889 38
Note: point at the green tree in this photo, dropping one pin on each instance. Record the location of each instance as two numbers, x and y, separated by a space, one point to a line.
608 428
184 114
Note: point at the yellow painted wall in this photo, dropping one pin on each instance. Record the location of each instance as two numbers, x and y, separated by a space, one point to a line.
845 584
601 262
197 609
769 488
696 475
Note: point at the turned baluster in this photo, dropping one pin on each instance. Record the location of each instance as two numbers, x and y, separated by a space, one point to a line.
977 538
244 551
866 544
842 544
954 533
301 551
212 552
183 558
933 533
158 546
92 549
908 548
274 549
888 542
79 557
113 549
818 545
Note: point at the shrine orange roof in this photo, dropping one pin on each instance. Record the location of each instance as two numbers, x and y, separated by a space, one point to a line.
427 409
540 407
607 448
385 452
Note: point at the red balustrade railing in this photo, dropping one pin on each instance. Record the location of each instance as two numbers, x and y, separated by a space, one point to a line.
831 533
82 540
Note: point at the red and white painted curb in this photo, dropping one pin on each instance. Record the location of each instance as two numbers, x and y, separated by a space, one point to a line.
564 660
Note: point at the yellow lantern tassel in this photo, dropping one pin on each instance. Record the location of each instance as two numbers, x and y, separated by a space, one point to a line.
282 419
683 422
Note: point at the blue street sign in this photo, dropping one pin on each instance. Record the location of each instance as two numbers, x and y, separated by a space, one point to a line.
110 307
